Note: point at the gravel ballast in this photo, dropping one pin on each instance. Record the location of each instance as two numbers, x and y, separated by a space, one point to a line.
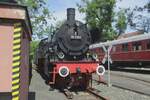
114 93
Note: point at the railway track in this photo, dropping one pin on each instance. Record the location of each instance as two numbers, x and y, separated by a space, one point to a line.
93 92
68 94
130 83
89 94
131 77
133 70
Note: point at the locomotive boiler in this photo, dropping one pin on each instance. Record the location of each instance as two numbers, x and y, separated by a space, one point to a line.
65 58
72 39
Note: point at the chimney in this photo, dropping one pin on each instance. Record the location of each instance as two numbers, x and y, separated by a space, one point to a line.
70 14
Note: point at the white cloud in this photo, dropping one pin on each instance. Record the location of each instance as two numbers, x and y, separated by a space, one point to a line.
130 3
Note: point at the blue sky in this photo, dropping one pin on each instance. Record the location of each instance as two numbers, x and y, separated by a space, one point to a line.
58 7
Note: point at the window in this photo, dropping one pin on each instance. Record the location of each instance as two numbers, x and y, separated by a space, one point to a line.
100 50
137 46
125 47
114 49
148 44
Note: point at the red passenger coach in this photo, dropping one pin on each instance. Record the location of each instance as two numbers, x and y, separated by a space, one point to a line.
134 53
132 50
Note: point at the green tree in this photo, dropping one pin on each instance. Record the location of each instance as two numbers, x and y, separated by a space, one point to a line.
121 24
33 47
99 17
40 16
138 18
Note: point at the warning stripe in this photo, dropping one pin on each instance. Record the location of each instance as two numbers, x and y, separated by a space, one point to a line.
17 30
15 87
16 61
16 58
15 81
16 41
16 47
15 98
16 75
16 69
16 52
16 35
15 93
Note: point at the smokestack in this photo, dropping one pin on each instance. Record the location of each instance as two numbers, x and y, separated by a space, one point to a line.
70 14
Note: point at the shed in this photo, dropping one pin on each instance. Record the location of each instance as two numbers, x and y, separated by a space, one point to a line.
15 37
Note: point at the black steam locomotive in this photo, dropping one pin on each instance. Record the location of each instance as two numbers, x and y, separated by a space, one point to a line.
70 42
65 56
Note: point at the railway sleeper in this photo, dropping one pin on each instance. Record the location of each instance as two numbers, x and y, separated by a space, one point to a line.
68 94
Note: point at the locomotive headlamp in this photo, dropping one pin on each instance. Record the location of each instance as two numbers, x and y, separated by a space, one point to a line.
63 71
61 55
100 70
94 56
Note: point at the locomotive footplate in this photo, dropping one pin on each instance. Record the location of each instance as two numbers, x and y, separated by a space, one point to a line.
77 66
72 74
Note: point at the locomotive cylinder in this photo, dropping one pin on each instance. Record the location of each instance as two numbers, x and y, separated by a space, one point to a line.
70 14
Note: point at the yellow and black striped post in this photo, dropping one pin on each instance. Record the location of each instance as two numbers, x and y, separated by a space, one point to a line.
16 61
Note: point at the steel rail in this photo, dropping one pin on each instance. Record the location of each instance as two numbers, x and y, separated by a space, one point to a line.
125 88
98 96
68 94
130 77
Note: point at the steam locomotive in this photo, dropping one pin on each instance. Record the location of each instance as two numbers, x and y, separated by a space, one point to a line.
65 57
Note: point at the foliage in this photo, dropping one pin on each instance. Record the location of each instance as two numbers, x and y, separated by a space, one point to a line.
99 17
40 16
121 22
58 24
33 46
138 18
